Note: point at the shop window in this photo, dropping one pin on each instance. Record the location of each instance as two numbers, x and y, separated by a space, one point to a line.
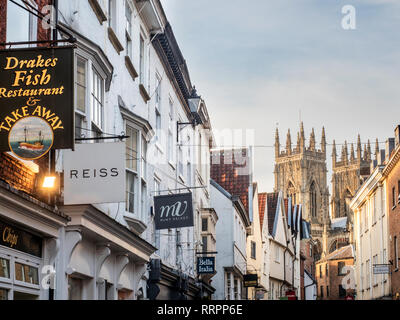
23 25
342 292
26 273
4 268
74 288
3 294
228 286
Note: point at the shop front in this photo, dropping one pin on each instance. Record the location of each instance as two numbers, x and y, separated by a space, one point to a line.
103 259
29 238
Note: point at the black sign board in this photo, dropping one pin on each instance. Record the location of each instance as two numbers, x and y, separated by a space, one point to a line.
250 280
173 211
36 100
15 238
206 265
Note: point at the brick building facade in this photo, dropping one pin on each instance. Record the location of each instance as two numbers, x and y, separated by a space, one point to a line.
330 273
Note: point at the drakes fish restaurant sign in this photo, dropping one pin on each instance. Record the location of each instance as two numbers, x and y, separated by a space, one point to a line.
173 211
36 101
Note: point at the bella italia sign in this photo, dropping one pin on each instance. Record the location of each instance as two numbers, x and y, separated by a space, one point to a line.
36 101
173 211
206 265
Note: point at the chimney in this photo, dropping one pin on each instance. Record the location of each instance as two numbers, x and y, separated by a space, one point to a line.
389 148
397 136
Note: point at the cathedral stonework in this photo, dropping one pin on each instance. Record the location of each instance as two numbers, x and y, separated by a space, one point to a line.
301 173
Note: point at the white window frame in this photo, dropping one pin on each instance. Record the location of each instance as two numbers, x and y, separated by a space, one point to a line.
33 23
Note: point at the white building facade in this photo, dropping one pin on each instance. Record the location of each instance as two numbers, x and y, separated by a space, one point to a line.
371 237
231 233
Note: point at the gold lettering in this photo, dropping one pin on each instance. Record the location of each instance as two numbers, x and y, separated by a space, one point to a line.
9 121
9 60
25 111
37 111
3 127
19 78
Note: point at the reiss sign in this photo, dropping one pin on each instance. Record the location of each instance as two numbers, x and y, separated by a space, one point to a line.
173 211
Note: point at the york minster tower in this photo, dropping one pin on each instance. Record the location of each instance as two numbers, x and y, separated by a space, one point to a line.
301 173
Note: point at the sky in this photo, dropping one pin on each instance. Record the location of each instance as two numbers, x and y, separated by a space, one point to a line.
263 64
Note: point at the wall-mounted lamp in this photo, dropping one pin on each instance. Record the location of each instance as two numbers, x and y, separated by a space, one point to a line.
49 182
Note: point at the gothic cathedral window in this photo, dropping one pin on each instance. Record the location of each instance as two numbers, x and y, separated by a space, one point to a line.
313 200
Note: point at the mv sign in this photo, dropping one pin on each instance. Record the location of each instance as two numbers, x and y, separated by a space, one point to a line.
173 211
94 173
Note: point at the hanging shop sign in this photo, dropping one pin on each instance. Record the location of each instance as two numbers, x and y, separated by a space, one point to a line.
250 280
95 173
206 265
36 100
381 268
173 211
15 238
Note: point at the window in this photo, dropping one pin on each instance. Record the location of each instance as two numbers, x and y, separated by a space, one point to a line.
4 268
97 99
236 289
189 174
157 92
141 62
74 288
204 242
3 294
143 161
158 125
374 208
277 254
26 273
171 110
396 255
178 246
180 162
362 276
81 84
367 273
342 292
112 14
130 191
128 46
375 261
326 270
311 250
131 148
341 265
228 286
320 270
21 25
321 291
313 200
253 250
398 191
393 197
204 224
170 146
327 291
128 16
